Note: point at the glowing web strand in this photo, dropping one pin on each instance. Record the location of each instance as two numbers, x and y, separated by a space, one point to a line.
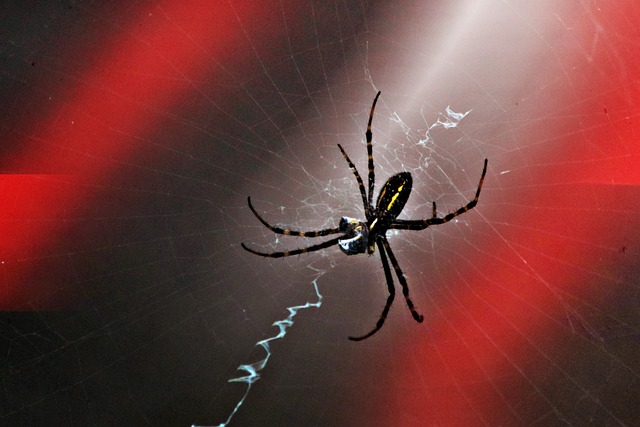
451 120
253 368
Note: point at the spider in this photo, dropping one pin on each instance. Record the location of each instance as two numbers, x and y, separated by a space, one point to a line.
358 237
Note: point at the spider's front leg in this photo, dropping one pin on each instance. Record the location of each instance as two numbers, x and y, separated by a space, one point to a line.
385 248
289 232
403 282
392 293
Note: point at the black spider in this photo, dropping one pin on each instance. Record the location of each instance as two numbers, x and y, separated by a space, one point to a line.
359 237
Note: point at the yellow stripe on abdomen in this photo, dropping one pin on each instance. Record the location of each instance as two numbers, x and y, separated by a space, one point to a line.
395 196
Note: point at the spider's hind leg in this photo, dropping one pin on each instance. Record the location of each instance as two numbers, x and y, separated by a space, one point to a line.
369 137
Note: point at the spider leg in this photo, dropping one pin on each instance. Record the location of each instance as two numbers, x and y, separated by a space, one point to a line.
392 292
363 193
292 232
295 251
403 282
421 224
369 136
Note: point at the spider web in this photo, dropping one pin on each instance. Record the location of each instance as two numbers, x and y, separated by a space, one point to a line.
132 135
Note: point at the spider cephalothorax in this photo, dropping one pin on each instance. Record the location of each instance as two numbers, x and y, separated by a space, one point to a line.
358 237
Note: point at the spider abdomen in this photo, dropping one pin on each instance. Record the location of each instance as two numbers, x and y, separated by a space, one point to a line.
393 197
